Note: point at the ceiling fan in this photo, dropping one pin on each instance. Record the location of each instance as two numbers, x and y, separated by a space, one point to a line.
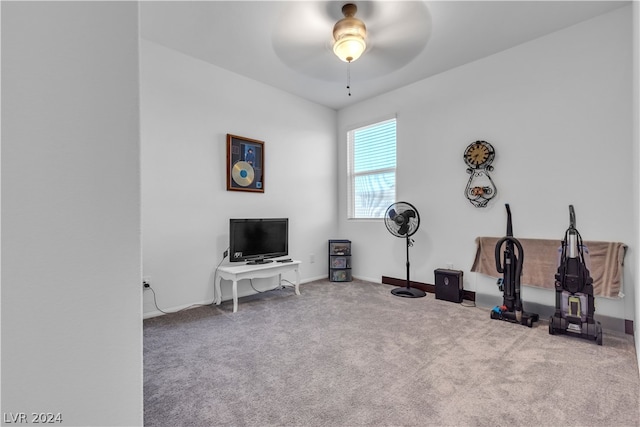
396 32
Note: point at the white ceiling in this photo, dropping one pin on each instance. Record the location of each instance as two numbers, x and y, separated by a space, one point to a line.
287 44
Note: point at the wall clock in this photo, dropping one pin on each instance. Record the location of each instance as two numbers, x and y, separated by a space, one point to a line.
479 154
480 188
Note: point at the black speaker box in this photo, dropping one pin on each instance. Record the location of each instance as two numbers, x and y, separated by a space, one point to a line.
449 285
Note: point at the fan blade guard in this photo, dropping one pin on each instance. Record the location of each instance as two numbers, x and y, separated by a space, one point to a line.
402 219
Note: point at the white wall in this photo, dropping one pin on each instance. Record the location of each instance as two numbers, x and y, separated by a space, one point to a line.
636 139
188 107
71 294
558 112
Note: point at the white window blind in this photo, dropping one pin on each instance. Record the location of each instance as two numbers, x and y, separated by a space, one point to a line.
372 169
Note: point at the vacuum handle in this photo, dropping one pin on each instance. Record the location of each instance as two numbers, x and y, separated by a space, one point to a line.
572 217
571 236
509 226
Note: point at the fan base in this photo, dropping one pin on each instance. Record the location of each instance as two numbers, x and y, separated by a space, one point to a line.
408 292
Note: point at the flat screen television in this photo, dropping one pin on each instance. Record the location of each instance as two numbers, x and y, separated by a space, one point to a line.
255 240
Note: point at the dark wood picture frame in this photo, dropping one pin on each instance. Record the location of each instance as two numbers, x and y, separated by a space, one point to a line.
245 164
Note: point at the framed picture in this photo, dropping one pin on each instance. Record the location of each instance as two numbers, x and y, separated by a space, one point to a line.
245 164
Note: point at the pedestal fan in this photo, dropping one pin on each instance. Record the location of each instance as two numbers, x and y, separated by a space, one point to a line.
402 220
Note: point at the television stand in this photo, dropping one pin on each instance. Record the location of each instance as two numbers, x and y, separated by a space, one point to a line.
253 271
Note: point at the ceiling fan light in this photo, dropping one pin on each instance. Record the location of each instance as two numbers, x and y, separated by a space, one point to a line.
349 35
349 48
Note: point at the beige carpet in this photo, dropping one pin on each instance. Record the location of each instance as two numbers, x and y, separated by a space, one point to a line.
352 354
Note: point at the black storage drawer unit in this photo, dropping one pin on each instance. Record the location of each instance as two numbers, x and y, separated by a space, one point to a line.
340 260
449 285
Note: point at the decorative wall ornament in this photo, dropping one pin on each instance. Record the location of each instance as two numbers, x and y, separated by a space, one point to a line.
480 188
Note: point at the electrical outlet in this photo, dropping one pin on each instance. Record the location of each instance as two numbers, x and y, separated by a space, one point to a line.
224 255
312 258
146 282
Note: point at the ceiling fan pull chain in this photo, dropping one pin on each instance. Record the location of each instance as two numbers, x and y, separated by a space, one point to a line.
349 77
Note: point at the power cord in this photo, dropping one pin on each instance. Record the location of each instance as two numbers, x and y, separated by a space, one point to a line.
288 281
252 287
278 286
172 312
224 255
155 302
147 286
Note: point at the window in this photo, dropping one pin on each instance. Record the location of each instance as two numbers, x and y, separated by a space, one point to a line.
372 169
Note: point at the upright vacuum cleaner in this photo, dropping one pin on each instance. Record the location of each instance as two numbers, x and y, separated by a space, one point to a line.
511 266
574 289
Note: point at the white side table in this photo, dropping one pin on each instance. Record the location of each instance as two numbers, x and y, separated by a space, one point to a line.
236 273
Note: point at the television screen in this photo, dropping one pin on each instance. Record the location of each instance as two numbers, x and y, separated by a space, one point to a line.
257 239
